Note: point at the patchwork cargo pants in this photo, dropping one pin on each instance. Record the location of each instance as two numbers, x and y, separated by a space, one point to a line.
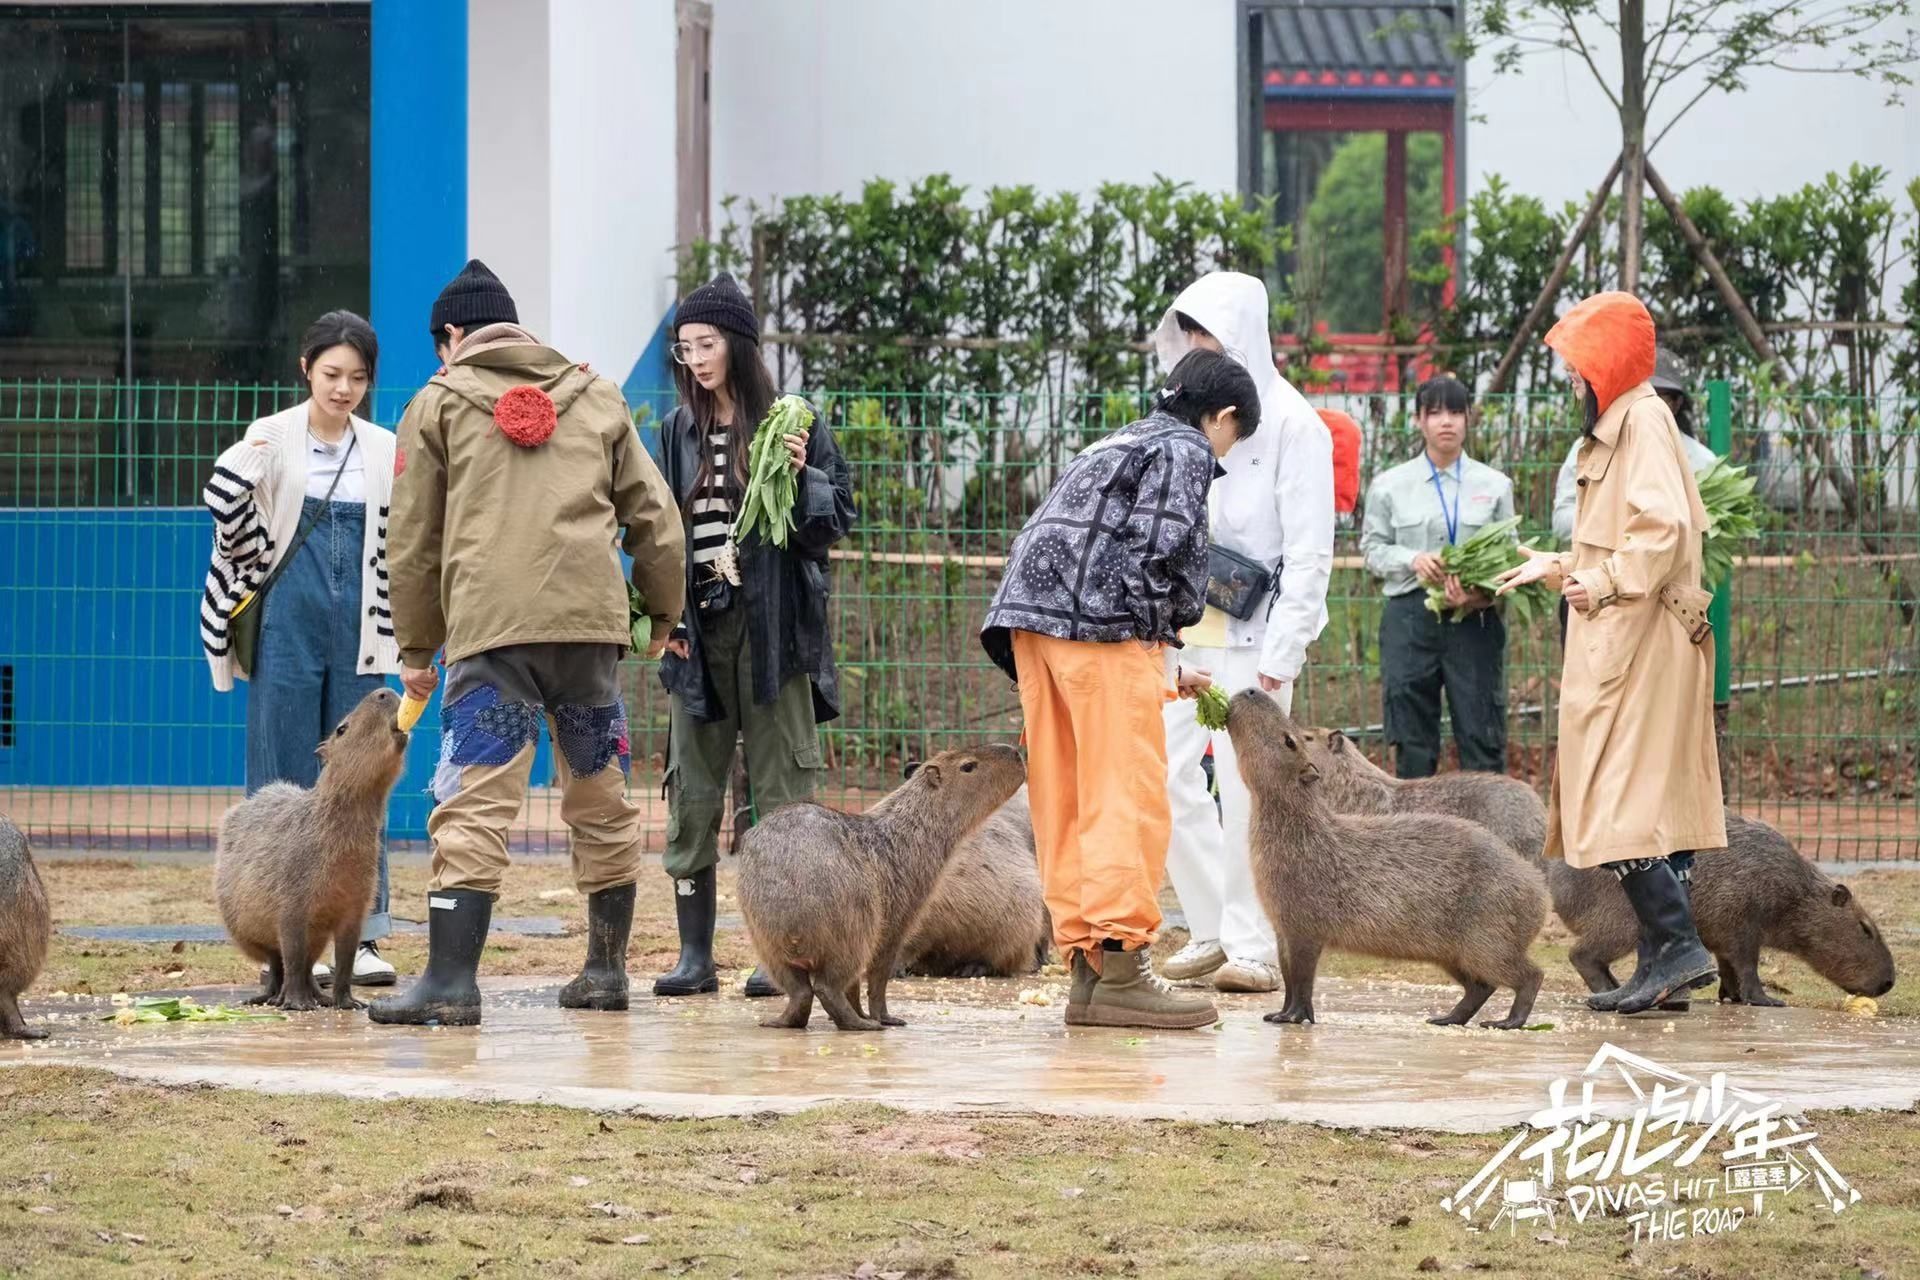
782 746
489 722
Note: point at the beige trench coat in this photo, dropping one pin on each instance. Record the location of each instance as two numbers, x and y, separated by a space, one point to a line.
1637 774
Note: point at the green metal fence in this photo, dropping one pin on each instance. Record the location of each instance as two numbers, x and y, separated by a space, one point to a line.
110 734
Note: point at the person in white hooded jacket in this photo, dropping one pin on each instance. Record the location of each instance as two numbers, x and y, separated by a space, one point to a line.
1274 506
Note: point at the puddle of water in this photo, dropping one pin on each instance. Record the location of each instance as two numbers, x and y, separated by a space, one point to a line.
970 1047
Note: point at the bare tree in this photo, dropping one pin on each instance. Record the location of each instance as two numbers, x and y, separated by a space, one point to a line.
1655 70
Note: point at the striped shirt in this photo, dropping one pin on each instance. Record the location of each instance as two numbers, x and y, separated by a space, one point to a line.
712 508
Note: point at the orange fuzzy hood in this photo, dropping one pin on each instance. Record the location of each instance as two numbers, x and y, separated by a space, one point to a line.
1609 339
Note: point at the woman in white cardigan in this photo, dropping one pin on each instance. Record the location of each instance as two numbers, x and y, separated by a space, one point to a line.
308 486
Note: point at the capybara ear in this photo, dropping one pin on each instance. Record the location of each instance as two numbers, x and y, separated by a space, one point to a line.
1842 895
1336 740
931 772
910 768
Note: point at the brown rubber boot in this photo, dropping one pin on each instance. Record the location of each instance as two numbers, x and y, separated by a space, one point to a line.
1130 994
1084 978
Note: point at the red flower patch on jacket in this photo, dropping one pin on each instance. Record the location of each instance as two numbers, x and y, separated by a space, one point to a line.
399 460
525 415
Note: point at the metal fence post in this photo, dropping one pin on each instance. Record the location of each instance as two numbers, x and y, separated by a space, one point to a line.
1720 613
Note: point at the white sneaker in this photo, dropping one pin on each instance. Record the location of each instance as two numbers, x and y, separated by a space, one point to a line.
1246 975
369 969
1195 960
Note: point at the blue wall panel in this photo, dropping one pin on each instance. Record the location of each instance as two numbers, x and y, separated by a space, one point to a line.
419 163
111 687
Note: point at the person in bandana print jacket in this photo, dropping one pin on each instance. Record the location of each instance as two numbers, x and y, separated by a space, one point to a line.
518 472
1105 575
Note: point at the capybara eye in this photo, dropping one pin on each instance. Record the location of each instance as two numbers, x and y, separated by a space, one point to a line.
341 732
968 767
1866 928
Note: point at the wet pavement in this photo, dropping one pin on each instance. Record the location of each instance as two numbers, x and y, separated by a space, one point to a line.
520 926
973 1047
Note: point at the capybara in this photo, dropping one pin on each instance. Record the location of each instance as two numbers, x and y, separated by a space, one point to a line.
1757 892
26 925
296 868
829 897
987 916
1403 886
1352 783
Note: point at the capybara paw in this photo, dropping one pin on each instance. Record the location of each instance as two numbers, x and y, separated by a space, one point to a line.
348 1003
1764 1001
975 970
890 1021
25 1033
298 1002
1446 1020
1508 1023
265 997
1289 1016
858 1024
781 1024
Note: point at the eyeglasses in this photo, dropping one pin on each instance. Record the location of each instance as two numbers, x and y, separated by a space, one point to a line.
688 352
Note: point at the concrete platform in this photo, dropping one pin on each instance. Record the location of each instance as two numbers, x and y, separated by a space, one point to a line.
971 1047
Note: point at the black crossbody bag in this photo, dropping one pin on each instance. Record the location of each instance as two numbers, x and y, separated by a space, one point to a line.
1235 584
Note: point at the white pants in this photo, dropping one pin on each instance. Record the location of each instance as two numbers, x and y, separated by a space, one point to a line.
1207 856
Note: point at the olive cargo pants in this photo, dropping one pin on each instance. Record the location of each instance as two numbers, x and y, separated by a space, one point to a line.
490 720
1097 784
782 745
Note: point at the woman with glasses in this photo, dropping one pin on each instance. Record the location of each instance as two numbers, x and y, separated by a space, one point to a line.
751 659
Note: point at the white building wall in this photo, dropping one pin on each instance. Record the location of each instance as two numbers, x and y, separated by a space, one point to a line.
509 211
612 176
814 96
570 167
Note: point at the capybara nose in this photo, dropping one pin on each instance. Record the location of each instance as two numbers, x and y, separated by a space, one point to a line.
1882 989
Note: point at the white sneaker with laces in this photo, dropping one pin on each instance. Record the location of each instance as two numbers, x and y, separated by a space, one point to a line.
1195 960
1246 975
370 969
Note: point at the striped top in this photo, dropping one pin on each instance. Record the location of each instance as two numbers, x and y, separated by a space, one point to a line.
255 497
713 504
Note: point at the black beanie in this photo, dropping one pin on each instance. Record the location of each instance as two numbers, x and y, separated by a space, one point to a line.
722 305
473 298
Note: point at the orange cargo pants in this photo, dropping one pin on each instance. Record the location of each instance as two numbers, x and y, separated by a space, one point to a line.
1097 785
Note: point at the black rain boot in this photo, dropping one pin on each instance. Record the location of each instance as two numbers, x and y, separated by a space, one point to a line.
1679 963
1608 1001
759 985
695 903
602 983
448 993
1682 1004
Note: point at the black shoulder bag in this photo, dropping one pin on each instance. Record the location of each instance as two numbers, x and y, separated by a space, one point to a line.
1235 584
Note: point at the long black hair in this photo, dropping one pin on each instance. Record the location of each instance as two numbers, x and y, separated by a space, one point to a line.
1205 382
340 329
1682 406
753 394
1589 411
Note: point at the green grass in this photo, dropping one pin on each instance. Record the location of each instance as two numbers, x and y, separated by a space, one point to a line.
104 1177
